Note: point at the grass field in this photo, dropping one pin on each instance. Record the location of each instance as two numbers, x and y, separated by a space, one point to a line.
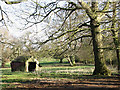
50 74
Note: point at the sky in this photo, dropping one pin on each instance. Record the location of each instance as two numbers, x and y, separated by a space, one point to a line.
15 25
15 10
10 12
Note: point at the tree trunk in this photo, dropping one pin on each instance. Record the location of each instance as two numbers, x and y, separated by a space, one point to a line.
3 64
118 59
61 60
96 17
118 52
100 65
71 60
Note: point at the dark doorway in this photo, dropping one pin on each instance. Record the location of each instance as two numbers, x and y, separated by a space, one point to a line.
32 66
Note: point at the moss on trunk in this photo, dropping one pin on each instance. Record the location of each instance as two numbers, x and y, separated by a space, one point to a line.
101 70
100 65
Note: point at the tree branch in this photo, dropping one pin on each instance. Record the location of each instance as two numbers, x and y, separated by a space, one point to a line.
2 18
13 2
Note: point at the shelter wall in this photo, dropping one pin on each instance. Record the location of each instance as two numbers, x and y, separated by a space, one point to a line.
17 66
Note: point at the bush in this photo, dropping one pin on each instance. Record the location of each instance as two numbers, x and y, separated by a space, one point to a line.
22 58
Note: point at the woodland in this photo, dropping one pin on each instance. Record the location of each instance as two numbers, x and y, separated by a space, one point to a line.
71 35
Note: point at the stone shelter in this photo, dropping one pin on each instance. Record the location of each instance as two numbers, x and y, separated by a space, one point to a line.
24 63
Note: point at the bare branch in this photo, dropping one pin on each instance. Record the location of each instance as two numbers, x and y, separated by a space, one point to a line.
13 2
1 14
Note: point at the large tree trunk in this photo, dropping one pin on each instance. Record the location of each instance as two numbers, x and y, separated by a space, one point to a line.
95 17
100 66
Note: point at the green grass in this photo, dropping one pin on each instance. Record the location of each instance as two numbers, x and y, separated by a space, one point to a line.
67 72
8 76
51 68
13 77
7 64
8 85
45 72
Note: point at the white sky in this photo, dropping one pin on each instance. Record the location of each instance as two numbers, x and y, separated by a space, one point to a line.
12 11
15 9
14 28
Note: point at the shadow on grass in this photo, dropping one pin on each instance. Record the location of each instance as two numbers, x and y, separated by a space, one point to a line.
83 81
61 88
88 81
15 80
8 72
82 75
63 64
62 76
6 86
55 64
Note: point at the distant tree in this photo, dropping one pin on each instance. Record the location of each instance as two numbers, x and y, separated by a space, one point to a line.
115 32
6 47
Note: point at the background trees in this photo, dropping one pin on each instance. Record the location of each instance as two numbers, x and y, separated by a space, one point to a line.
70 22
6 41
115 31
